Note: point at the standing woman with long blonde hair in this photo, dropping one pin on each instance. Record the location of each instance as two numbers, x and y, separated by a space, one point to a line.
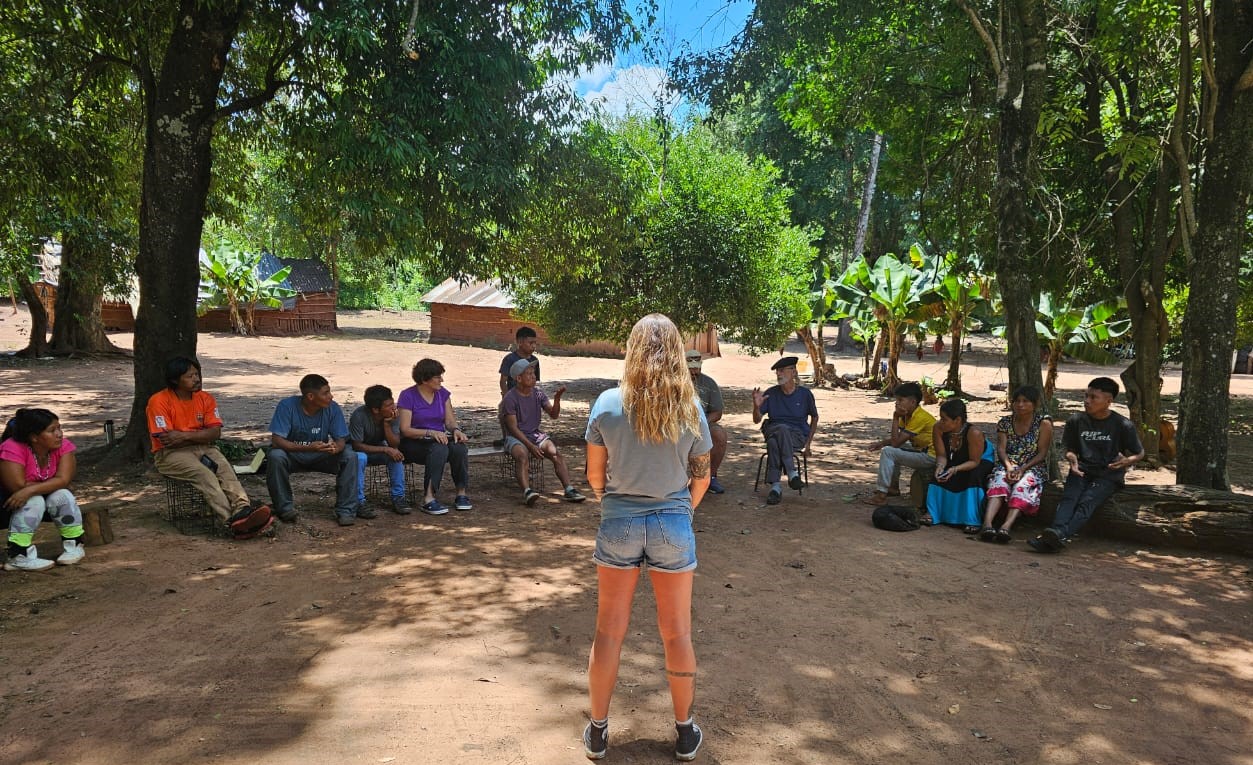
648 462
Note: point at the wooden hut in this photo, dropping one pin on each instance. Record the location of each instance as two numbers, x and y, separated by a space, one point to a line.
310 311
482 313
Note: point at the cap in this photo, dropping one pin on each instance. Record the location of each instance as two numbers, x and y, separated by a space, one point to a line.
693 359
785 362
520 366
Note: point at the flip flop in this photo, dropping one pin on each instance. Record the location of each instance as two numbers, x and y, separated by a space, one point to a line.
926 520
876 499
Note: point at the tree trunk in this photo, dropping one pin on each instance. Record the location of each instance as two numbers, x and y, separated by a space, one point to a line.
1182 516
179 118
953 381
1050 382
806 336
37 344
895 341
78 328
880 346
1021 87
1222 207
867 196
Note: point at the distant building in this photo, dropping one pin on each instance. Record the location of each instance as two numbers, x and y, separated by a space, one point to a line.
482 313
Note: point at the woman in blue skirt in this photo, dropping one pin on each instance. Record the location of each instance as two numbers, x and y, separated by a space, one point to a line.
962 464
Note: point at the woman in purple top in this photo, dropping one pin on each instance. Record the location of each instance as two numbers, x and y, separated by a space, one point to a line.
429 436
36 466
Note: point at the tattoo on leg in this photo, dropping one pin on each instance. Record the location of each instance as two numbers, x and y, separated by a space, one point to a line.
672 673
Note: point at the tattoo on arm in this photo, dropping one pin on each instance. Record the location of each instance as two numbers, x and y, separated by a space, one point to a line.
698 466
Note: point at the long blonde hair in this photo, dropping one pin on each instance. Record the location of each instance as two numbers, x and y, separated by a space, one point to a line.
657 391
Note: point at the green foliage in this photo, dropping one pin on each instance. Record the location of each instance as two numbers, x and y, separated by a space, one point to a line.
651 220
897 293
399 287
236 284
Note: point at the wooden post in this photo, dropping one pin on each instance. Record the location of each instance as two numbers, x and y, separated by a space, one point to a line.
96 527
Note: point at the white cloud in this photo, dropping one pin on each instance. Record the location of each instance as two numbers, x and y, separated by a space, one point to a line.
591 79
633 90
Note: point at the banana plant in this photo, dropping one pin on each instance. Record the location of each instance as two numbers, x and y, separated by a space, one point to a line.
235 284
1080 332
897 293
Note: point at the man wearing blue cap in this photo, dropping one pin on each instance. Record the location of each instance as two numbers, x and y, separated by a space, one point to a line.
791 420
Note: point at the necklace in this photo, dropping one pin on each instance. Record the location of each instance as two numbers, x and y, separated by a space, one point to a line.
40 474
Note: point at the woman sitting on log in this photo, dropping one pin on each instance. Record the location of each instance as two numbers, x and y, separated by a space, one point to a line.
1022 446
36 466
962 464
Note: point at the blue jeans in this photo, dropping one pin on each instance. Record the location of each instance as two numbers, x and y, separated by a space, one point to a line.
395 472
1080 499
343 466
663 539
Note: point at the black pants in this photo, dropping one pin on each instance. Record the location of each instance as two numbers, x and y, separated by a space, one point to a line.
434 455
1080 499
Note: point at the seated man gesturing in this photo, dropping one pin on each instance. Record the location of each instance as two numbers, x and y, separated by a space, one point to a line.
791 418
524 440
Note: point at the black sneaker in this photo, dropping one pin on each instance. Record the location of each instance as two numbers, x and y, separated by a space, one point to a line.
287 516
1048 542
689 741
795 483
368 513
595 741
774 497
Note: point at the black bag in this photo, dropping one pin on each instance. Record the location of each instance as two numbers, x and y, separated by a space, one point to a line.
895 518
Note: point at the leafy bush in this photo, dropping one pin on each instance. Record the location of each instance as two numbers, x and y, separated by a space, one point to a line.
398 287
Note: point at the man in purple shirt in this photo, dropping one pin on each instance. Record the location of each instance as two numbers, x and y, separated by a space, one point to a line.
524 440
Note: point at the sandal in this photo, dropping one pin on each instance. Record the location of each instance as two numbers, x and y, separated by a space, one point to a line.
926 520
988 534
1003 536
970 531
876 499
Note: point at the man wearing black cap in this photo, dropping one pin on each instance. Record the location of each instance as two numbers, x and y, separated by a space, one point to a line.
792 417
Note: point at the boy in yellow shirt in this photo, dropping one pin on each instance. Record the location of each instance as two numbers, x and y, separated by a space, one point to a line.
909 444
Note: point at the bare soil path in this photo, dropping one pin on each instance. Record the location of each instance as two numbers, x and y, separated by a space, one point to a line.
463 638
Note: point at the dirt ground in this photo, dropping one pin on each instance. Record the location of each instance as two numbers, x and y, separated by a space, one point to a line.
464 638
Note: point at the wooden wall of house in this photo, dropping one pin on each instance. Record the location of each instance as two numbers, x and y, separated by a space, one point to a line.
496 327
117 316
314 313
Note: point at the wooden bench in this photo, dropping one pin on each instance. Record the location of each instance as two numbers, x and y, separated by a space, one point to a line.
505 465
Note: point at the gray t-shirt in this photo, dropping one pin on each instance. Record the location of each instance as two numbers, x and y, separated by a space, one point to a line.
641 477
363 428
709 392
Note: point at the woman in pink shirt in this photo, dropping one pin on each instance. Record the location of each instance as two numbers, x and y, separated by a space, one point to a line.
36 466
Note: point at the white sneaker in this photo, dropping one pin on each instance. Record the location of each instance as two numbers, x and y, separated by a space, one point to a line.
74 552
27 561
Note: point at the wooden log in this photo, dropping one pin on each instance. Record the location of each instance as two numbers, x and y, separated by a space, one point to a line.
1180 516
96 527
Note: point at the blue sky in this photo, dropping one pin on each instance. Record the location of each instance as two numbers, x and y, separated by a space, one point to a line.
630 82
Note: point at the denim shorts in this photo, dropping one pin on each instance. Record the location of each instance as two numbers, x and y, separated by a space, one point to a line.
663 539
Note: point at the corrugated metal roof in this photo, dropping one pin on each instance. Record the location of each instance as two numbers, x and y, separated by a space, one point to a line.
477 294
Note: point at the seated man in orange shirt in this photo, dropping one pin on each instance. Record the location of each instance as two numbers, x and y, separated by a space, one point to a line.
184 423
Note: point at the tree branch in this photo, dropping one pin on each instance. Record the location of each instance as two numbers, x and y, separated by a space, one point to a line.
994 54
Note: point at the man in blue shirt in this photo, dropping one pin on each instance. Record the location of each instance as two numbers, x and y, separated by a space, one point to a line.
791 419
308 433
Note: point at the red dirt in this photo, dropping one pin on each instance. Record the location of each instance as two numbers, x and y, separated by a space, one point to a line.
464 638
